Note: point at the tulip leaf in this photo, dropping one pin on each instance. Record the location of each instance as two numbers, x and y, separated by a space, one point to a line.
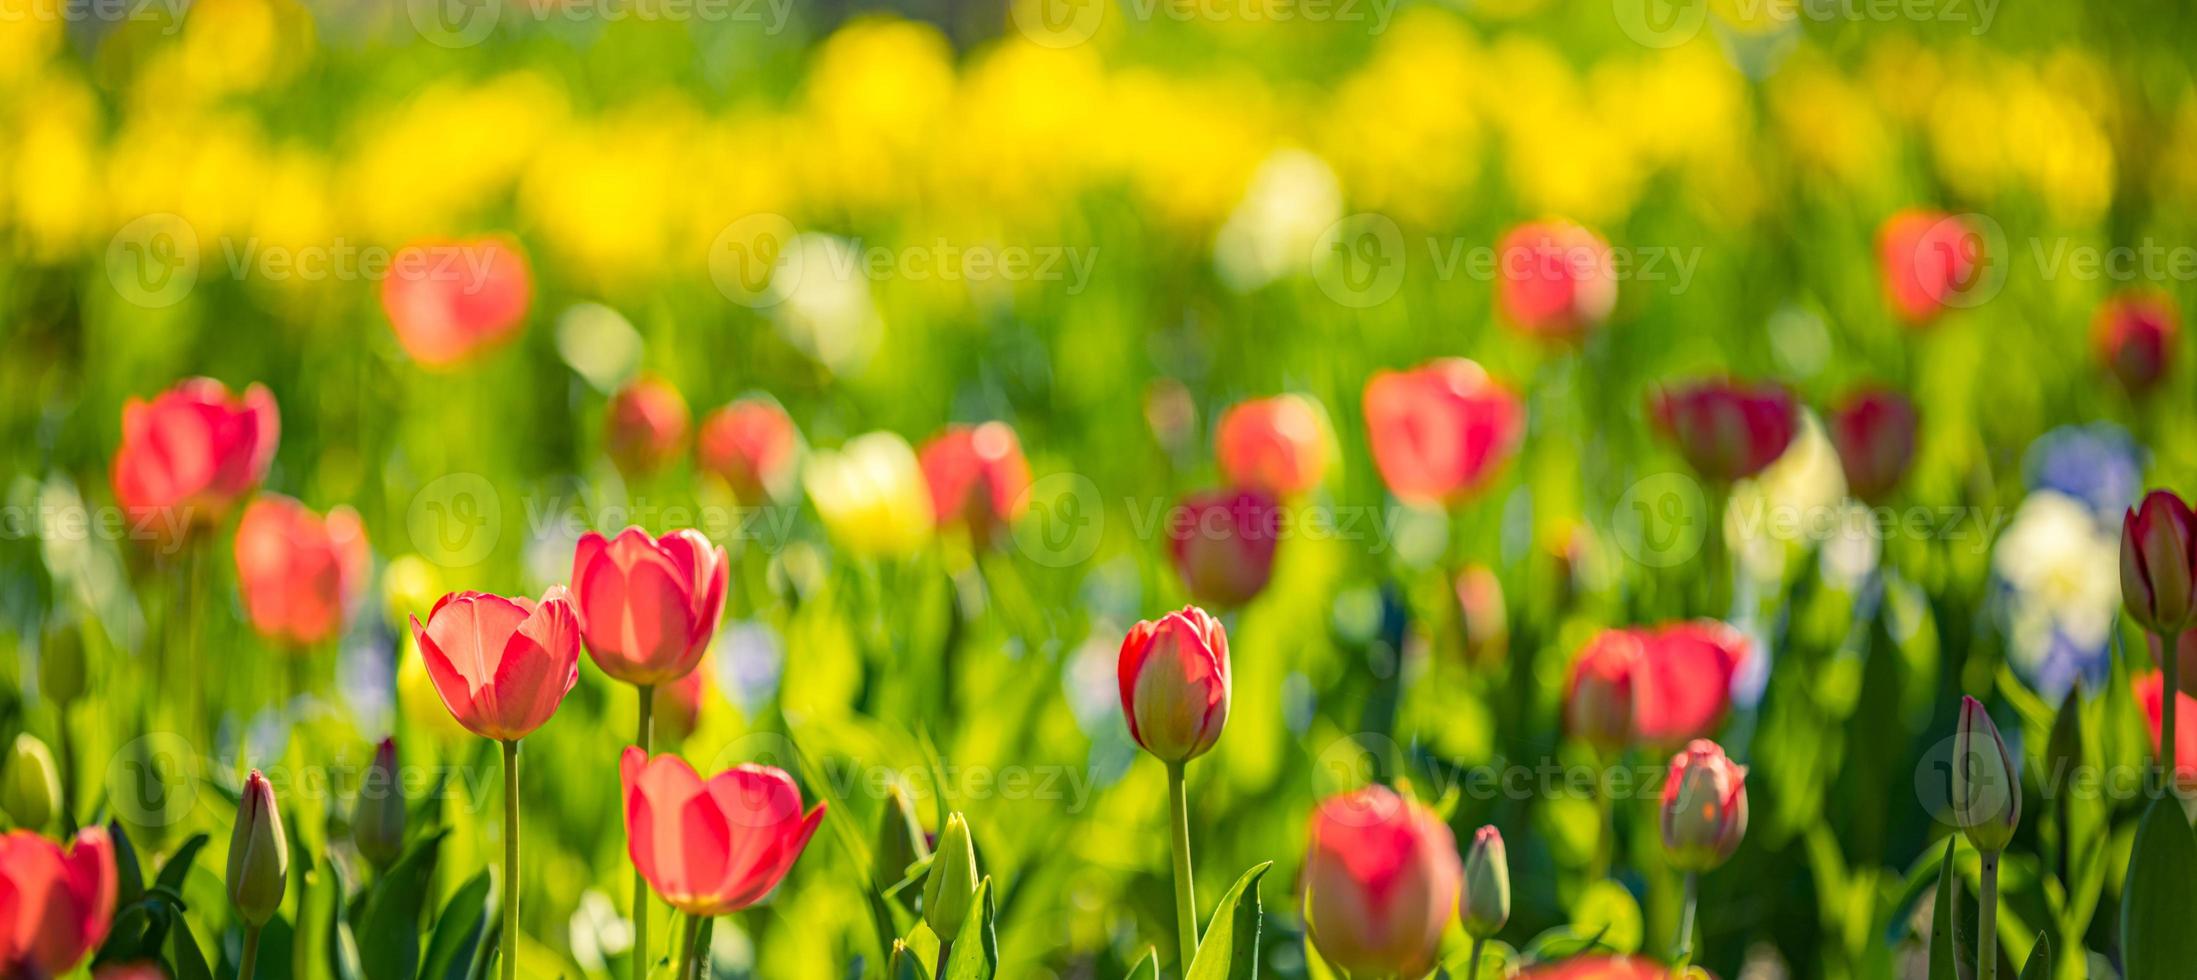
390 927
1608 909
1147 968
2040 961
976 949
460 930
1941 918
1230 949
178 866
343 947
905 964
2156 939
185 960
128 877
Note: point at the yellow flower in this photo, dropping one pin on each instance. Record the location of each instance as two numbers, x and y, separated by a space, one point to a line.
417 699
871 496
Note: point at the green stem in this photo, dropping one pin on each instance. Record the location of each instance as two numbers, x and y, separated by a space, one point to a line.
1685 954
511 859
692 967
1186 909
67 751
945 950
646 739
251 954
1605 849
1472 970
2170 698
1987 920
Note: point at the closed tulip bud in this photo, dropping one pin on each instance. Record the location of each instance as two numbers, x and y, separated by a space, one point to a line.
1222 543
2159 563
2134 334
753 446
1442 431
501 665
899 839
1599 709
646 425
950 888
1276 444
1928 259
31 790
1874 431
977 478
452 301
1173 674
1380 877
1484 904
1557 280
1987 789
61 664
259 854
1727 431
377 823
1704 807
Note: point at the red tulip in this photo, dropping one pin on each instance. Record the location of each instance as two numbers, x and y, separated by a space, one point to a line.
501 665
1480 606
1684 686
193 449
1927 259
2186 647
145 970
646 425
648 607
1599 968
300 573
2135 334
1599 707
715 847
1704 807
55 905
1173 674
1727 431
1273 444
752 445
1557 282
1222 543
1874 431
1442 431
978 476
1380 879
2159 563
449 301
2148 690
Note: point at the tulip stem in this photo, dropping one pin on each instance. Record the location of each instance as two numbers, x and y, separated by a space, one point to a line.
1684 956
646 739
1186 906
2170 700
945 950
1987 920
511 859
691 966
1472 970
251 954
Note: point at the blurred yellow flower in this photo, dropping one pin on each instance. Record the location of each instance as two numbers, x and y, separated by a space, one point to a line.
51 173
871 496
433 164
605 193
876 94
1401 130
417 699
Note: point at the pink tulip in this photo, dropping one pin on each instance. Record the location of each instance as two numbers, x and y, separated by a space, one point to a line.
648 607
2149 691
1173 674
1599 967
450 301
1273 444
646 425
1727 430
1381 878
1557 282
55 905
1222 543
1704 807
195 450
977 477
502 665
1599 707
1684 688
1874 432
1441 432
1927 260
715 847
752 445
300 573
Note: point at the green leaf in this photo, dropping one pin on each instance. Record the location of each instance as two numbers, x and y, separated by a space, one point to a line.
1147 968
1230 949
185 960
343 947
1941 917
390 929
2040 961
178 866
129 880
976 949
2157 942
905 964
1607 908
460 929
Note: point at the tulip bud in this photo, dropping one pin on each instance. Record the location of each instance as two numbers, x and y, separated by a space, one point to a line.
1727 430
1874 431
1173 675
32 788
1928 260
1380 877
950 888
1276 444
1987 789
1704 807
2134 334
1222 543
2159 563
1483 906
61 664
377 823
899 839
1557 280
259 854
1600 707
646 425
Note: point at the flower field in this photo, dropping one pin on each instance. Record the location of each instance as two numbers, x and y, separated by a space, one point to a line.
1094 489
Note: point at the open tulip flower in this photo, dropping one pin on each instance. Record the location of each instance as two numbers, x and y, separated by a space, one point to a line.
1441 432
193 451
1276 444
712 847
452 301
647 607
977 478
56 904
300 572
502 665
1654 687
1381 877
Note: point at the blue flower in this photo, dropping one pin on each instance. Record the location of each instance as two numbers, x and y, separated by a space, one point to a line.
2097 464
